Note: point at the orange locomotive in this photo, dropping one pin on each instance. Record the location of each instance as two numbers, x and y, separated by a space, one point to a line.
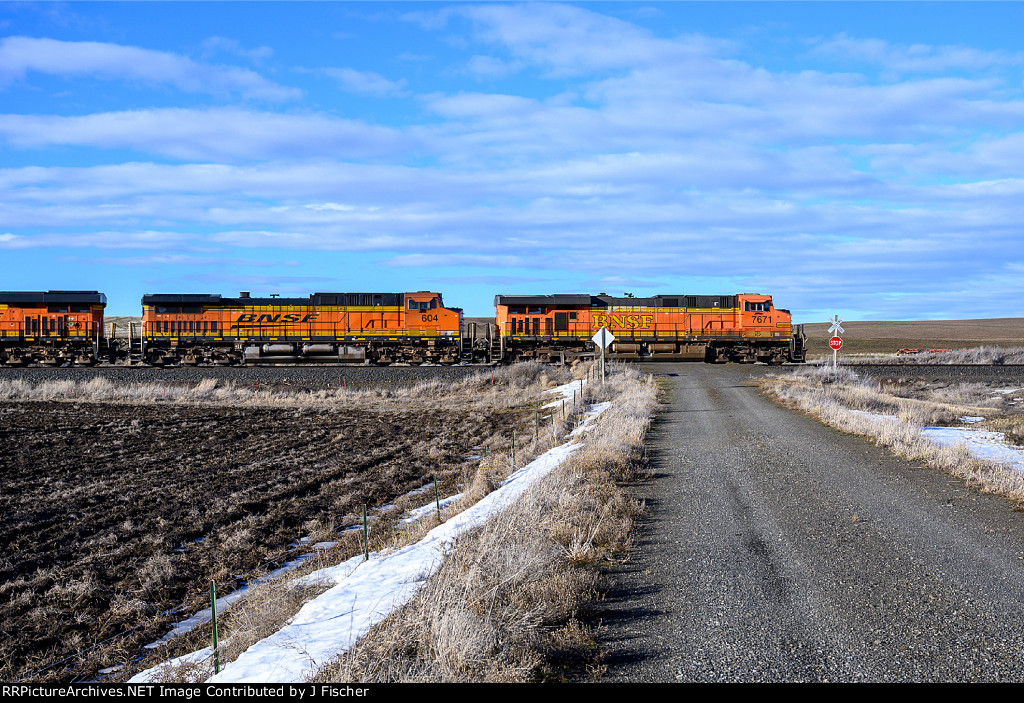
713 328
53 327
382 328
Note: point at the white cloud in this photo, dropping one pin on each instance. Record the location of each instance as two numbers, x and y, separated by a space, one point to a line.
914 58
101 240
491 67
570 41
211 134
366 82
165 259
213 45
20 56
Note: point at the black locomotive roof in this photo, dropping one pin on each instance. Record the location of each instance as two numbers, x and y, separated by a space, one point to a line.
181 299
658 301
316 299
54 297
562 299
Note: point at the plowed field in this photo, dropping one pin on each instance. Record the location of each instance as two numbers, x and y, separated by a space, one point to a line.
112 515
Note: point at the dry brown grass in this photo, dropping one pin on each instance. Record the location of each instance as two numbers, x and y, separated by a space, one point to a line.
269 605
833 396
504 606
46 595
508 387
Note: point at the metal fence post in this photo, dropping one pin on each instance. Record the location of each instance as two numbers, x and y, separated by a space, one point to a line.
213 618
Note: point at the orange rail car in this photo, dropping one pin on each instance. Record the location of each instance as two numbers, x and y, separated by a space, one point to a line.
714 328
53 327
383 328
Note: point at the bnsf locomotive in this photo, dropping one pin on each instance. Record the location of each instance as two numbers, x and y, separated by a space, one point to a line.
66 327
52 328
714 328
382 328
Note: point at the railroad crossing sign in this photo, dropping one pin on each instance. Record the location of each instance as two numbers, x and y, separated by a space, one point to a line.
603 338
837 323
836 342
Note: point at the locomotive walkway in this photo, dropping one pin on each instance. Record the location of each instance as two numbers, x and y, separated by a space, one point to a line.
778 549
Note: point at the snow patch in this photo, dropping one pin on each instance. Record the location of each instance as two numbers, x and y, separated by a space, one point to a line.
365 592
983 444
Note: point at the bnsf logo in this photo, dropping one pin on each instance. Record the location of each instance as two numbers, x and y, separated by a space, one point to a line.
248 320
623 321
267 319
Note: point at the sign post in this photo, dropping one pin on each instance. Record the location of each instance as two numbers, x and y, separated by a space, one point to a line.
836 342
603 338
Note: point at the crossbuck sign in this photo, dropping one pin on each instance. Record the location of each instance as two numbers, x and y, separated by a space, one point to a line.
835 329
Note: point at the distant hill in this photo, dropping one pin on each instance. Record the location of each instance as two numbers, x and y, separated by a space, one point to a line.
885 337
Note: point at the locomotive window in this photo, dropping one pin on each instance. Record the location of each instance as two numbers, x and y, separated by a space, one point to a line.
433 303
80 308
516 309
57 308
572 316
767 305
536 310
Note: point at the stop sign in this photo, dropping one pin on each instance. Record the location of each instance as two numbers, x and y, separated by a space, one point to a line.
835 342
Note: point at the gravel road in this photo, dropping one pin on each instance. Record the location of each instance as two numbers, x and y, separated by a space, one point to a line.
778 549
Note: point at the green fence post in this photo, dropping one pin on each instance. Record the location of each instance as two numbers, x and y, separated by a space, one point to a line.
366 537
213 614
437 501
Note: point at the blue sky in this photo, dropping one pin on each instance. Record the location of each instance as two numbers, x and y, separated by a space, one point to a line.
856 158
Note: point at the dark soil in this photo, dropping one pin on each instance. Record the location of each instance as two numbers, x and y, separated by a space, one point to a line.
112 515
886 337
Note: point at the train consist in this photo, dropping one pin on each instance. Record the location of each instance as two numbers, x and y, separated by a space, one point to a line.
67 328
